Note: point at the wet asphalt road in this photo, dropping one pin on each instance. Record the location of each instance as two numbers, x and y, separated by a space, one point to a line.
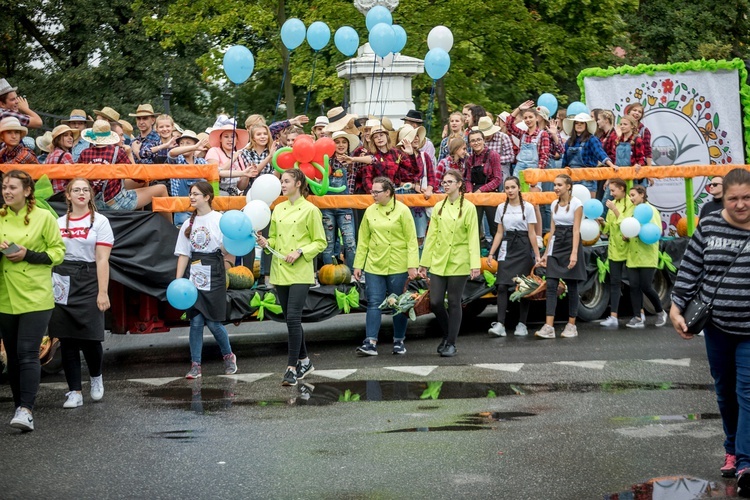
507 418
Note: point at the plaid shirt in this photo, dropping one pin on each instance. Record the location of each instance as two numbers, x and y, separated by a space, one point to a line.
542 145
103 155
151 140
59 156
556 149
18 155
22 118
501 144
429 168
592 155
248 156
181 187
446 164
149 156
394 164
277 127
490 163
609 143
637 150
645 134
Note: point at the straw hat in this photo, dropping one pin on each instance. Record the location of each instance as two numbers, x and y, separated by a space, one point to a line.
100 134
5 87
12 123
338 119
126 127
321 121
486 127
377 129
351 138
108 113
372 123
61 129
143 110
188 134
202 136
580 117
407 133
78 115
543 112
214 138
44 142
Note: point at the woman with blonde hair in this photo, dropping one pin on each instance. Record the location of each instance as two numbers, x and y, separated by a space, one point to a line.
456 160
455 130
158 152
63 138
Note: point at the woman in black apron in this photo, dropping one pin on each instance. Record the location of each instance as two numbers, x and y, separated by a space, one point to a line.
80 288
563 256
200 258
516 241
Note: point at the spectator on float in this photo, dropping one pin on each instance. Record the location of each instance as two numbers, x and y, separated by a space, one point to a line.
607 134
14 151
340 120
408 135
399 165
44 144
318 129
716 190
636 110
78 121
145 118
158 152
534 141
583 149
258 153
456 159
14 106
184 154
63 138
483 175
453 130
276 127
415 119
629 147
127 129
226 143
117 129
291 134
497 141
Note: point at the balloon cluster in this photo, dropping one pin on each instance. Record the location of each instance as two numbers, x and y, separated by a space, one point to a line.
312 158
385 37
438 61
640 225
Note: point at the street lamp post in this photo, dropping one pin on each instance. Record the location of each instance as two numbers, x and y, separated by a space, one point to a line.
166 93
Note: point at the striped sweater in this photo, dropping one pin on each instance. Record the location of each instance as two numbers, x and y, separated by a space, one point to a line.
711 249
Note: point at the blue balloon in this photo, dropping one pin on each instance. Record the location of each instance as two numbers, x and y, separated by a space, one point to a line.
400 41
649 233
381 39
238 63
377 15
593 208
240 247
235 225
346 40
293 33
576 107
548 101
436 63
318 35
643 213
182 294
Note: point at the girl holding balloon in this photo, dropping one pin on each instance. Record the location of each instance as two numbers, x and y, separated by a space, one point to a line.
199 245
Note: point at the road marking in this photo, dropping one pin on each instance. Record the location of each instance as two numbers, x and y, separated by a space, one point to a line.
505 367
413 370
247 377
334 374
674 362
154 381
55 385
596 365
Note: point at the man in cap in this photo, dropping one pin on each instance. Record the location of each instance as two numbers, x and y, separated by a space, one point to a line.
144 121
11 104
415 120
78 121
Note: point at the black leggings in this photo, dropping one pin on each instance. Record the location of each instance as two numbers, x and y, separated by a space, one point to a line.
71 358
450 320
641 279
22 335
292 300
615 284
573 298
502 304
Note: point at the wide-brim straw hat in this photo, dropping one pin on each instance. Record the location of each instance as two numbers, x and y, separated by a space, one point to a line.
100 134
11 123
378 129
143 110
338 119
44 142
188 134
407 133
243 137
372 122
126 127
486 127
78 115
61 129
351 138
107 112
580 117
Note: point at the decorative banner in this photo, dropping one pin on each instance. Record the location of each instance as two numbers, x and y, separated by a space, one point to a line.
693 112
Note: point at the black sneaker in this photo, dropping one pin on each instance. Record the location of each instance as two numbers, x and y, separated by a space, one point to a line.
303 370
442 345
290 378
367 349
449 351
398 347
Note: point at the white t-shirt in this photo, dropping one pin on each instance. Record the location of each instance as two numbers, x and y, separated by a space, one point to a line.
514 216
563 216
205 235
81 238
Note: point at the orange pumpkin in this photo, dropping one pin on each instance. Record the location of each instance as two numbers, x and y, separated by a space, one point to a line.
682 226
334 274
488 267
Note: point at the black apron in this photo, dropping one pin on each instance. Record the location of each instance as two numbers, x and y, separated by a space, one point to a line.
518 259
80 318
557 263
211 303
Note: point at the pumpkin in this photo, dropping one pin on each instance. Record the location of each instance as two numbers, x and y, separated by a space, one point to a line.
256 268
487 267
334 274
682 226
546 240
240 278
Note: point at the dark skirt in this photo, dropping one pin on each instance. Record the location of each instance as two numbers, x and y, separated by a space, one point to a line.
557 263
518 259
78 318
211 303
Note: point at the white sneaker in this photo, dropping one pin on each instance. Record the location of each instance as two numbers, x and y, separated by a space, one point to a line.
22 420
97 388
521 330
610 322
545 332
661 318
497 329
636 322
75 399
569 331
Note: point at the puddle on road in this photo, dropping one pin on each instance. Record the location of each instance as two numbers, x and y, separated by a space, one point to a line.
677 488
667 418
180 435
471 422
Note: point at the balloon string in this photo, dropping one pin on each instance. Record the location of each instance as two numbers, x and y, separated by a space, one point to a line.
347 87
281 89
377 98
234 129
387 88
312 77
372 84
431 107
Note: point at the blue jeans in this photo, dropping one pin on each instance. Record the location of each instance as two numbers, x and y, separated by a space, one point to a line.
378 286
196 337
544 209
729 359
343 220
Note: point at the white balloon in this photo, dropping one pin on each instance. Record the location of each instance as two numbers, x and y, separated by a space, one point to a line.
630 227
266 188
259 214
440 37
589 229
581 192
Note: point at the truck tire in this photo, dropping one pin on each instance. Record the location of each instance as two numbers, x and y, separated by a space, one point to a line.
594 301
663 288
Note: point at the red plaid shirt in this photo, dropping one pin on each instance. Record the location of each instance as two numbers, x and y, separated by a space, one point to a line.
17 155
446 164
433 181
637 150
394 164
501 144
542 145
104 155
645 134
59 156
490 163
609 143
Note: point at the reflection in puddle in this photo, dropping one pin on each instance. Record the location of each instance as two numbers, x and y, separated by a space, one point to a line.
472 422
676 488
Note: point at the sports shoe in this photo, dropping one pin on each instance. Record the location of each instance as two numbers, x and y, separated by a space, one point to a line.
448 351
521 330
442 345
398 347
497 329
636 322
303 370
230 364
367 349
743 482
569 331
729 467
305 391
290 378
195 371
610 322
97 388
75 399
22 420
661 318
545 332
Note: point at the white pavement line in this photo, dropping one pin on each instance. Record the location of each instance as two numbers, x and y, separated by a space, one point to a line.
413 370
596 365
674 362
154 381
334 374
247 377
62 386
505 367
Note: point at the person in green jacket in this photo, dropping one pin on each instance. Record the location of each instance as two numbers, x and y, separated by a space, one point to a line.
451 253
619 207
388 251
296 237
31 245
641 263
